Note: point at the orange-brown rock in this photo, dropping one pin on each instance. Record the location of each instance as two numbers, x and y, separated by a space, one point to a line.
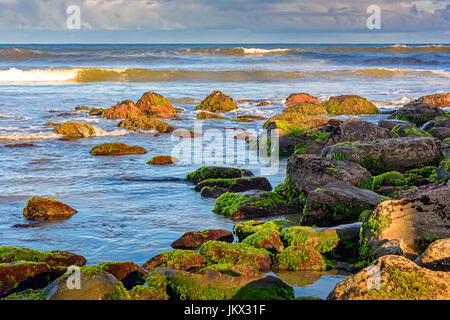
194 240
301 98
122 110
47 209
155 105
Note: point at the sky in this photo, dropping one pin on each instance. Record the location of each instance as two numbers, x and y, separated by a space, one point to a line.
223 21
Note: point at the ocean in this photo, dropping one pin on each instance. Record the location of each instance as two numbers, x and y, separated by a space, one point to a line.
128 210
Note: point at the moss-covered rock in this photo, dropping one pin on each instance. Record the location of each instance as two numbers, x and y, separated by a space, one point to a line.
408 129
208 115
176 259
217 102
213 192
296 98
194 239
163 160
417 113
29 294
294 123
155 105
96 111
441 100
122 110
218 252
116 149
145 123
205 173
350 104
75 130
39 209
248 118
307 108
244 229
237 184
128 273
265 239
295 258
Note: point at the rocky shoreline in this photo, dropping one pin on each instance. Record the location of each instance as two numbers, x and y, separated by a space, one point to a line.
368 196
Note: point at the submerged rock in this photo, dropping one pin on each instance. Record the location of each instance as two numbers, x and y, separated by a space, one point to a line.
399 279
350 104
145 123
217 102
194 240
208 115
163 160
116 149
20 145
47 209
75 130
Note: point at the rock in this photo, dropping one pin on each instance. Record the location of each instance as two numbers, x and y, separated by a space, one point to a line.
293 123
391 247
248 118
387 155
264 103
240 207
20 145
309 172
92 287
237 184
296 98
81 108
155 105
208 115
186 134
96 111
194 240
217 102
338 203
75 130
306 108
248 137
25 268
122 110
213 192
235 253
51 124
145 123
350 104
443 171
214 285
265 239
47 209
116 149
436 256
185 260
156 289
417 113
400 279
205 173
409 129
244 229
163 160
129 273
299 258
423 215
241 269
440 133
441 100
390 124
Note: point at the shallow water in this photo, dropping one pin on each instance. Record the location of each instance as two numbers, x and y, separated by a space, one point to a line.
128 210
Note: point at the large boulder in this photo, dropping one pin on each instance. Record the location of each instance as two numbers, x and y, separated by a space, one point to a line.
338 203
309 172
155 105
75 130
417 113
265 239
194 239
39 209
217 102
306 108
387 155
296 98
350 104
423 215
145 123
116 149
441 100
436 256
393 277
122 110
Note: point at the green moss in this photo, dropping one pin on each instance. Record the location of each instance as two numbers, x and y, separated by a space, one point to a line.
375 224
205 173
338 156
271 293
402 284
423 243
412 131
244 229
147 293
289 234
374 166
267 239
120 293
228 203
176 259
363 216
295 258
29 294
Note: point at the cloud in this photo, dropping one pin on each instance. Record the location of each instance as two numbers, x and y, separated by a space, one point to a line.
250 15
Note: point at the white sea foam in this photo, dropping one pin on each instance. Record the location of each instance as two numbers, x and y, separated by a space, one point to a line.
263 51
30 136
